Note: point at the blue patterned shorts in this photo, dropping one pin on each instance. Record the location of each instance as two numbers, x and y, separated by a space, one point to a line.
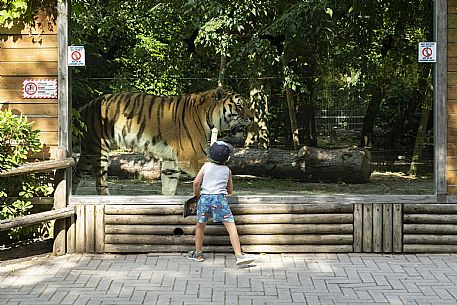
214 206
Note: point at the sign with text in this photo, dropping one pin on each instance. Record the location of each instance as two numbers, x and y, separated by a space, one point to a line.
76 56
427 52
39 88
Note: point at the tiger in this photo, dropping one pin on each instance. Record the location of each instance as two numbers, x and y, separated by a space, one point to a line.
174 129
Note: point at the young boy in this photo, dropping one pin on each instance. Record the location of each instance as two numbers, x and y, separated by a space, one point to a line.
213 183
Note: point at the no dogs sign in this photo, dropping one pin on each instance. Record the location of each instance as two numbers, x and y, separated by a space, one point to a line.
427 52
76 56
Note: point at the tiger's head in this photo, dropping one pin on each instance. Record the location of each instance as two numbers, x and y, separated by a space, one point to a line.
233 112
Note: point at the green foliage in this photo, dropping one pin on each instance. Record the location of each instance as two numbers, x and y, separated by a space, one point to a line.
12 9
334 53
17 140
78 128
130 46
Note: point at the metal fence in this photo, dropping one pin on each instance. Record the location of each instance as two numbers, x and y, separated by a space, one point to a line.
327 120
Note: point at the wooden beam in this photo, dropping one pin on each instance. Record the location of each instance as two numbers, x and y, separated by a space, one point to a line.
43 166
36 218
276 239
248 229
240 219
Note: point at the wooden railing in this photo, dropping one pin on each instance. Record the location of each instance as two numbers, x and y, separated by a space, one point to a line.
60 212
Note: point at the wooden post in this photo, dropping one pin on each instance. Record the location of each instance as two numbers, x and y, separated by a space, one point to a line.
60 201
99 228
71 234
64 132
367 245
63 98
90 230
377 227
358 230
440 97
80 244
387 228
397 227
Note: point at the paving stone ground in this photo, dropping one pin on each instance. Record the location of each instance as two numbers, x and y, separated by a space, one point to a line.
171 279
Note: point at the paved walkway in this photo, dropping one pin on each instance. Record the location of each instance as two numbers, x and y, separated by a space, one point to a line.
167 279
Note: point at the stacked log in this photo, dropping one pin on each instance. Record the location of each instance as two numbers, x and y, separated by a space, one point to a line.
430 228
277 224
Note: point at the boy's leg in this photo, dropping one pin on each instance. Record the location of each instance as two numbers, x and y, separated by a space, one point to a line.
234 239
241 258
199 235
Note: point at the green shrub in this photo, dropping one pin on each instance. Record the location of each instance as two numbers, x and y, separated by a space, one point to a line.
17 141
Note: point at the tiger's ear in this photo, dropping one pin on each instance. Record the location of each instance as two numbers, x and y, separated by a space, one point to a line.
219 93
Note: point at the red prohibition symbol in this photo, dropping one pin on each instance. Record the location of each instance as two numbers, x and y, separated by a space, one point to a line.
31 88
427 52
75 55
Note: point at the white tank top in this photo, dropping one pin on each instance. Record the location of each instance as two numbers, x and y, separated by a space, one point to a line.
215 179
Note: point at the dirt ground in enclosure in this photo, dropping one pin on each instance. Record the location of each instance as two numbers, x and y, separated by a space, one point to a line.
381 183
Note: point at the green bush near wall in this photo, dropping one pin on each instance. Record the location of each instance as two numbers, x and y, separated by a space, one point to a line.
17 141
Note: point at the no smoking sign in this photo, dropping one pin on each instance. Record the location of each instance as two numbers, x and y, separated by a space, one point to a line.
76 56
427 52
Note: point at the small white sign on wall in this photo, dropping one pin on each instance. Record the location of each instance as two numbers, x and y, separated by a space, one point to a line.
39 88
76 56
427 52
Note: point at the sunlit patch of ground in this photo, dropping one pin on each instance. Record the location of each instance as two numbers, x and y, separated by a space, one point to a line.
381 183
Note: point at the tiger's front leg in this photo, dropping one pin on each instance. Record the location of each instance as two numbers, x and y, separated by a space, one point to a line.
170 174
101 176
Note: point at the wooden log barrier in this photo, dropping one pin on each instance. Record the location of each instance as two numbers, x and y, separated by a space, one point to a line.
430 228
264 225
36 218
269 224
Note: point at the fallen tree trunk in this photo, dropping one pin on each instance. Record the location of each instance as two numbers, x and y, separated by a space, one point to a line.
349 165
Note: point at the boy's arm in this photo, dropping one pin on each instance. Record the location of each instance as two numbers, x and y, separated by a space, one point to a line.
230 184
196 185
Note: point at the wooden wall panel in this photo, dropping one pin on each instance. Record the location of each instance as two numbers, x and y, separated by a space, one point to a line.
27 55
28 41
41 107
30 52
28 69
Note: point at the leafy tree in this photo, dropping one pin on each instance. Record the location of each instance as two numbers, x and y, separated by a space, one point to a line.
130 46
13 9
343 54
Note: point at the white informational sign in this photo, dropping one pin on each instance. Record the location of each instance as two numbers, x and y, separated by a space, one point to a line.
76 56
427 52
39 88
